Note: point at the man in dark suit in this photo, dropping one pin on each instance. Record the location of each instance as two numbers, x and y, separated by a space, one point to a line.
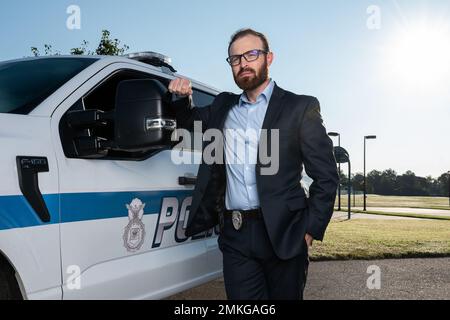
266 221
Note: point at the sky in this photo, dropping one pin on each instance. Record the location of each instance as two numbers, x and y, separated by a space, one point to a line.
377 67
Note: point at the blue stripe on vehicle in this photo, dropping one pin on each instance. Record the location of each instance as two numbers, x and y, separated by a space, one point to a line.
15 212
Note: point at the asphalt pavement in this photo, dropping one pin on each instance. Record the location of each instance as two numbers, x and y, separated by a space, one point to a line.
393 279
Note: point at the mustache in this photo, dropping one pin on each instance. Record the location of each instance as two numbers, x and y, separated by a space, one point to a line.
246 70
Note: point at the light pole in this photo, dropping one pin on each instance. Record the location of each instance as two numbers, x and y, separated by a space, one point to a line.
365 191
448 173
336 134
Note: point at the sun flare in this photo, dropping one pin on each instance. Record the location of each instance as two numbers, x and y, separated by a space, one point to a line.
418 57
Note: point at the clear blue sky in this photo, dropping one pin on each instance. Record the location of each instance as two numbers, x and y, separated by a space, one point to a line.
368 81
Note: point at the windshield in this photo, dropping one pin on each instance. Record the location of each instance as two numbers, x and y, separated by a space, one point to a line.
25 84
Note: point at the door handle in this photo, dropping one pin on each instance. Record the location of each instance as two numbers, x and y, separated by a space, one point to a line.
28 169
187 181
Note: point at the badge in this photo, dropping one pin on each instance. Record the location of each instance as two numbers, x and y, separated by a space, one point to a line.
134 233
237 220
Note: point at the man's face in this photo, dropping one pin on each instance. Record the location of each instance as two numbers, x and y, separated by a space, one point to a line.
250 75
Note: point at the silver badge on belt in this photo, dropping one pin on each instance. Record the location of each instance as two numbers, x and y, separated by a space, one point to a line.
237 220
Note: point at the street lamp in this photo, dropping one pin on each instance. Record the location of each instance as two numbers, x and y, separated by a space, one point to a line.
335 134
366 138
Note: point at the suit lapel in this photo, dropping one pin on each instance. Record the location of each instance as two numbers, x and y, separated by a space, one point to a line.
273 110
274 107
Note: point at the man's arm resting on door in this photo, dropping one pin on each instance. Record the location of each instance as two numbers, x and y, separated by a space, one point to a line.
183 106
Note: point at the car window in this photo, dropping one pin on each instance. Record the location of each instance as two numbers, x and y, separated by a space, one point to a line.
25 84
202 99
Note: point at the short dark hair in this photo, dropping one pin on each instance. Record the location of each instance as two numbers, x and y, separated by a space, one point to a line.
245 32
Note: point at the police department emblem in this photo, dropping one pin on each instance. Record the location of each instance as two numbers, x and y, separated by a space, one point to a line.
134 233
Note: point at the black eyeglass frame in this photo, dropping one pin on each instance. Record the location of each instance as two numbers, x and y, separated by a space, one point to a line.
259 52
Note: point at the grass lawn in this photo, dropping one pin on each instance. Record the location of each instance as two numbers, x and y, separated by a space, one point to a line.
382 239
398 201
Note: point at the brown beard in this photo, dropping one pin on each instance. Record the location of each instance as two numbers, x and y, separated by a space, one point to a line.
252 82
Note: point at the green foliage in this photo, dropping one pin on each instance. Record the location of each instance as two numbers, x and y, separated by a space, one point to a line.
389 182
110 47
82 50
48 51
106 47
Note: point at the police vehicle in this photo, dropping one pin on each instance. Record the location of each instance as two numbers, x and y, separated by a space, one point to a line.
91 204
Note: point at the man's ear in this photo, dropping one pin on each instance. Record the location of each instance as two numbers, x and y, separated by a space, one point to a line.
270 57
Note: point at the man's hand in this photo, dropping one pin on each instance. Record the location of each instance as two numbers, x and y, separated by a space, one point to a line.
309 240
181 87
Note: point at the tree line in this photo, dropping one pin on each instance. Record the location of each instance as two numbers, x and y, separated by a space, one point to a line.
390 183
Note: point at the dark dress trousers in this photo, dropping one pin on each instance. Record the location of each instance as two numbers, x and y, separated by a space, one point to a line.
258 257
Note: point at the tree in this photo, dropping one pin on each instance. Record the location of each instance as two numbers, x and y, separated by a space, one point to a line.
388 182
373 181
410 185
443 184
81 50
106 47
358 182
48 51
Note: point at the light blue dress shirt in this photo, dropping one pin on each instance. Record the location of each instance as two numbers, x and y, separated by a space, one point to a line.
242 131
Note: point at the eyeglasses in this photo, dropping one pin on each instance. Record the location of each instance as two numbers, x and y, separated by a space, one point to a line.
249 56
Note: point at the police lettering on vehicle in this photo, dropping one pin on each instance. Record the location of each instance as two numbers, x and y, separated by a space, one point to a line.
172 214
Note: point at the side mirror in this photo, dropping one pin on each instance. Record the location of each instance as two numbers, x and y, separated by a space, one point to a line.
142 118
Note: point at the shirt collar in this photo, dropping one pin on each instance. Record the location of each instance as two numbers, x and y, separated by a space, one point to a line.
266 94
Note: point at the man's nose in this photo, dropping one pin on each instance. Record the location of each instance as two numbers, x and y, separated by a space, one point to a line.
244 63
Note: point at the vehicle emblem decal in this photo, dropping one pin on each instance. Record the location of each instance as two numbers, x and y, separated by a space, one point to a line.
134 233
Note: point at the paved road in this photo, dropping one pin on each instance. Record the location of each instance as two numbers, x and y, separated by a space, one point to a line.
434 212
344 215
400 279
347 280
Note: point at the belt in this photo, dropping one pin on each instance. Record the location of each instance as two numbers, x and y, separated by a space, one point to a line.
238 217
252 214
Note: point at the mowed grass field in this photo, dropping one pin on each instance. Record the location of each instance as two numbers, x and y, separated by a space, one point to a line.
382 239
397 202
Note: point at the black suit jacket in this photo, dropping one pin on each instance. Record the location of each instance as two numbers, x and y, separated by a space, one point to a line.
287 213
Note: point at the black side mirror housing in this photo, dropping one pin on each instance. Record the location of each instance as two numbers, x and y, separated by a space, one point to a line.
142 118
